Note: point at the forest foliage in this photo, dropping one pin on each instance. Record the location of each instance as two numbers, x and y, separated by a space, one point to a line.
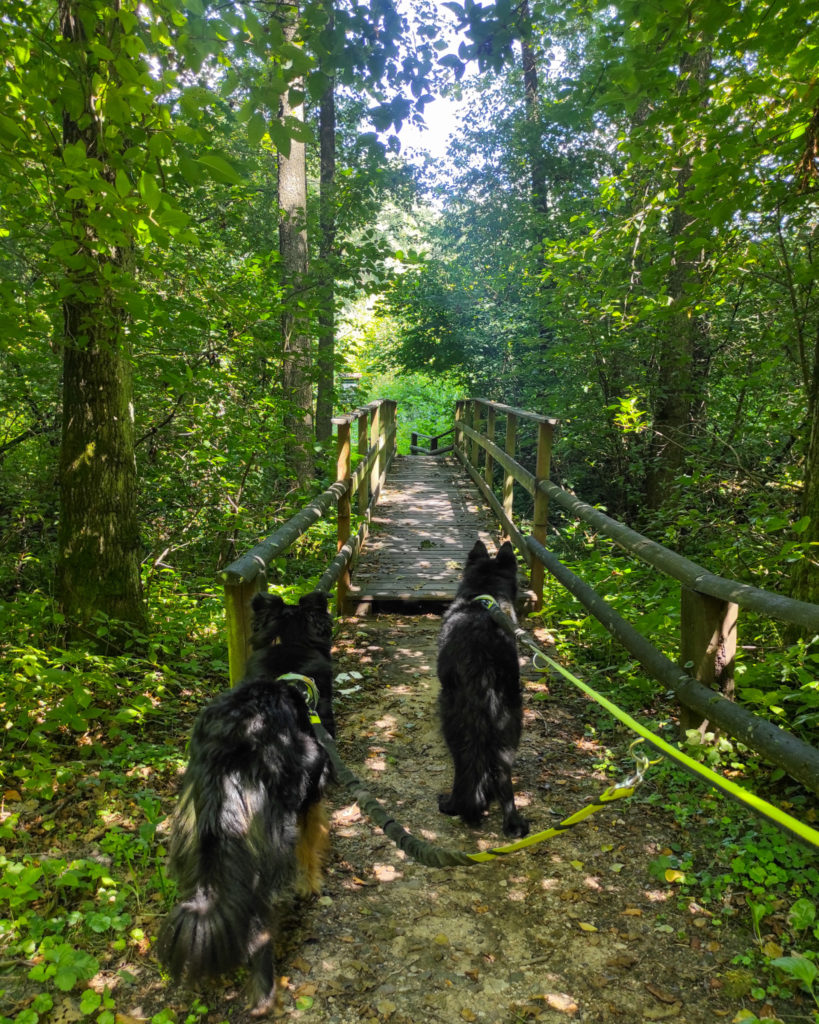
622 235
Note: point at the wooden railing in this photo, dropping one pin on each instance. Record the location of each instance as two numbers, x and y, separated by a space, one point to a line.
375 439
432 448
709 604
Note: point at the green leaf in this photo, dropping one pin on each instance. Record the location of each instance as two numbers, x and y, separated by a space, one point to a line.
256 128
149 190
122 183
799 968
191 171
74 154
220 170
90 1001
802 915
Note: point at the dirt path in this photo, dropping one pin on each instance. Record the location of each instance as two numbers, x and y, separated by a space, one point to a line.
575 930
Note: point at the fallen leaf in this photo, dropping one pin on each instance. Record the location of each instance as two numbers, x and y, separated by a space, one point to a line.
660 993
560 1001
633 912
467 1014
577 864
673 875
622 960
587 927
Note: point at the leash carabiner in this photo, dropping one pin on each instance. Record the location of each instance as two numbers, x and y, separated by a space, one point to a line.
307 688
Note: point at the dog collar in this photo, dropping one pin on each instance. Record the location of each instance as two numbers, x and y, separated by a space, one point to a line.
486 600
306 687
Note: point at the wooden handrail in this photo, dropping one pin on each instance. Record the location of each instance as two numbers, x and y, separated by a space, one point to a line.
522 414
777 606
247 574
432 448
799 759
433 437
709 604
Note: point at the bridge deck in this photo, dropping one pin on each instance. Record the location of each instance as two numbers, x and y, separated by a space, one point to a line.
426 521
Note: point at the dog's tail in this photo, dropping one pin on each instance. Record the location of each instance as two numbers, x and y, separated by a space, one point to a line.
224 860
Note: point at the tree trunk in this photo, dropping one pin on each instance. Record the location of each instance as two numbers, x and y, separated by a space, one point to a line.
327 230
98 559
296 363
531 89
681 350
805 581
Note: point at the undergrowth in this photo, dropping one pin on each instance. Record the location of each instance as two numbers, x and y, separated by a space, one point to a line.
736 865
93 740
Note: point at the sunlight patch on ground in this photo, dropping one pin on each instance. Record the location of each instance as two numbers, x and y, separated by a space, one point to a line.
386 872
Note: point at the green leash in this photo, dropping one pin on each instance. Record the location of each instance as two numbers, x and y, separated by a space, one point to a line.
420 849
759 806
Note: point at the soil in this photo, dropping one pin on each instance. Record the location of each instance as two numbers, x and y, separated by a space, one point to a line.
574 929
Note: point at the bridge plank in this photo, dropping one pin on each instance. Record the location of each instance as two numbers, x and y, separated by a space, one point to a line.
422 529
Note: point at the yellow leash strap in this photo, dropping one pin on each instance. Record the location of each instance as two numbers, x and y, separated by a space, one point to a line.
617 792
759 806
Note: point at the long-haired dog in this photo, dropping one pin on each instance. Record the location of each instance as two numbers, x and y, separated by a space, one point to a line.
480 701
250 825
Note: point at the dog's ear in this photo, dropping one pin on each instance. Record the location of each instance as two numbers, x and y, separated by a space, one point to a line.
266 619
266 604
316 600
506 557
478 551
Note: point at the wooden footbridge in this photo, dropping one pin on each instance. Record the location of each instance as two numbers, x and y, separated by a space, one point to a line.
406 522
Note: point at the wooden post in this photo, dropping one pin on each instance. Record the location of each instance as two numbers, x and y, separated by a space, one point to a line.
343 472
383 431
237 616
476 426
540 517
391 428
508 479
375 433
457 438
708 644
489 464
363 446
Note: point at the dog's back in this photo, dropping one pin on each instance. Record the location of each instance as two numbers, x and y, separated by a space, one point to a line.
480 701
249 810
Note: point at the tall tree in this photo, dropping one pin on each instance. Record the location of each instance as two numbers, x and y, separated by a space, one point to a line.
297 384
327 237
680 388
98 567
531 90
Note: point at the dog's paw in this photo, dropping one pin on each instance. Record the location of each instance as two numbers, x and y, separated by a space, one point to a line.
516 826
446 804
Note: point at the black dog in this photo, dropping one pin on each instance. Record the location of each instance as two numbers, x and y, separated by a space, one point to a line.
250 821
480 702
